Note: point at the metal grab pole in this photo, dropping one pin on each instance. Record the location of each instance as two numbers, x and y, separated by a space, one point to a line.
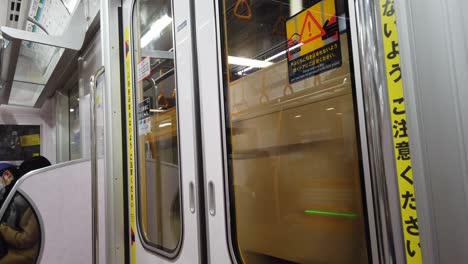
94 179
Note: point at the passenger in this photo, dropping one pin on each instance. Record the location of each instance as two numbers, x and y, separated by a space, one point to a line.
23 241
23 244
9 176
7 173
33 164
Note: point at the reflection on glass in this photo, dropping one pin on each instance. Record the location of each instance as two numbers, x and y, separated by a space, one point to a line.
158 175
294 162
75 126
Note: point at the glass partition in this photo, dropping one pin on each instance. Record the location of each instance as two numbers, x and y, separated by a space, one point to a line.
294 164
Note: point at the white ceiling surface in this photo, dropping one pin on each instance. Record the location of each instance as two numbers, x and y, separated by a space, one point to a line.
3 12
25 93
71 5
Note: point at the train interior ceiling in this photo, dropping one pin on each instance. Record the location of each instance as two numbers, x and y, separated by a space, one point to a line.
42 85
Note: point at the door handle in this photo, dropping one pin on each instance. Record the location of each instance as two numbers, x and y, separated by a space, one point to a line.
192 197
211 199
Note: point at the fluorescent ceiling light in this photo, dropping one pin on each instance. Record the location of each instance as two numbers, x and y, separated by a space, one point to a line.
248 62
329 109
70 5
155 30
270 58
157 111
165 124
284 52
296 7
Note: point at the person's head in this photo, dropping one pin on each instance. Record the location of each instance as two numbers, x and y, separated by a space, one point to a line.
8 173
33 164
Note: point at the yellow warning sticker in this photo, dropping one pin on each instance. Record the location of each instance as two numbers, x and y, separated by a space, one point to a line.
30 140
128 74
401 143
313 41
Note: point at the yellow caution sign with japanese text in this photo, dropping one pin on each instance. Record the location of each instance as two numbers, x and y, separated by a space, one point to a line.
400 134
131 170
313 41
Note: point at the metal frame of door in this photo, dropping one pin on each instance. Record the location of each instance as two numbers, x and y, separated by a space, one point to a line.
108 199
113 195
385 239
189 150
380 193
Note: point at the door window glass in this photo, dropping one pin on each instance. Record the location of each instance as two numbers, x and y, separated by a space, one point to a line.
159 210
294 165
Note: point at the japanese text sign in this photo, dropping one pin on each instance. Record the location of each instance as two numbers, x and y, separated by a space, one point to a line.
400 134
313 41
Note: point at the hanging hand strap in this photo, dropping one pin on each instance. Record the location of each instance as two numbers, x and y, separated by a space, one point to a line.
287 88
263 93
246 5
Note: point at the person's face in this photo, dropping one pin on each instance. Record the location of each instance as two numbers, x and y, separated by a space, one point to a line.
7 177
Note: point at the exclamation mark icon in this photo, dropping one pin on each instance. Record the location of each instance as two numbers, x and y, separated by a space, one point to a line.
310 29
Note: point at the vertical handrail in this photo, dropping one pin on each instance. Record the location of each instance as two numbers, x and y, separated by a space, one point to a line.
94 176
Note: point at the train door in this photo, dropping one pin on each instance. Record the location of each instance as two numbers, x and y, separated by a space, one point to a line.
162 142
75 204
285 154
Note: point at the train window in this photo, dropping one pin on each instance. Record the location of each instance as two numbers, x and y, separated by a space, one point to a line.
20 232
295 177
159 210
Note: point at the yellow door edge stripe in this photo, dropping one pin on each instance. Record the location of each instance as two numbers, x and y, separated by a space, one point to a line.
404 169
131 169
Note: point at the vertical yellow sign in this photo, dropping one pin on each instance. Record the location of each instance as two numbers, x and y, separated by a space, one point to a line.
131 170
400 134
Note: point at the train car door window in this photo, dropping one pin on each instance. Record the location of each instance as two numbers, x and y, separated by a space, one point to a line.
159 210
295 176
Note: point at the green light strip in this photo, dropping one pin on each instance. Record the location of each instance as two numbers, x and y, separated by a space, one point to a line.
327 213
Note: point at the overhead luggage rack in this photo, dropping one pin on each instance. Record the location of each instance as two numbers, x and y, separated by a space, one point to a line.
36 46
